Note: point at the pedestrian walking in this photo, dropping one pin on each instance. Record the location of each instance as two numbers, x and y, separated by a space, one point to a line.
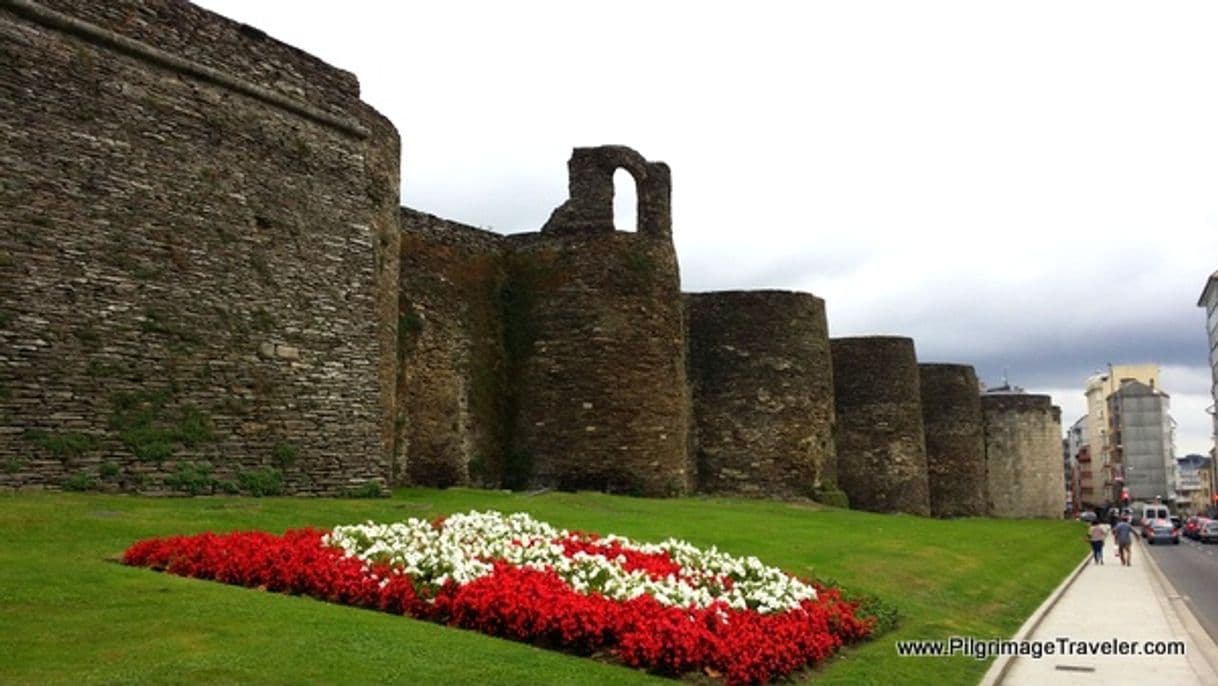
1122 533
1096 534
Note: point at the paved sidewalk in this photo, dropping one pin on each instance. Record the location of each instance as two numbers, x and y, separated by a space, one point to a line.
1106 602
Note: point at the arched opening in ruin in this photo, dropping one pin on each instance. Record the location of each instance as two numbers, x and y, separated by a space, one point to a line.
625 201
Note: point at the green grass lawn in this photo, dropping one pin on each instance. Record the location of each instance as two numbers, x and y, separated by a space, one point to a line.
69 615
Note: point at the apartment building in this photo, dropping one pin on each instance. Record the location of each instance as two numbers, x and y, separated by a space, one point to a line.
1108 474
1209 300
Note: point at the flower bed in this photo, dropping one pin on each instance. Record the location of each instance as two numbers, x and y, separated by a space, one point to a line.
668 607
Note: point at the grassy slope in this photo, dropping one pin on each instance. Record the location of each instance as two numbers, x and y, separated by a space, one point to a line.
69 616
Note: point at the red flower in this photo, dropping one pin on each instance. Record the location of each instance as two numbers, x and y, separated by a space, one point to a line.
530 605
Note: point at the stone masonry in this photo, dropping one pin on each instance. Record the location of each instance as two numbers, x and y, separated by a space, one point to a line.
199 224
597 341
1023 455
547 359
451 366
881 451
207 285
762 391
955 440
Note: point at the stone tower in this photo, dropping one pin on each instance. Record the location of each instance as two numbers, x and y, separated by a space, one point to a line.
881 450
763 392
955 440
1023 455
595 336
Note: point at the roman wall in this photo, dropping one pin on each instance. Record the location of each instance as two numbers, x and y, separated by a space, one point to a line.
197 252
1023 456
762 387
955 440
595 339
207 285
881 450
451 364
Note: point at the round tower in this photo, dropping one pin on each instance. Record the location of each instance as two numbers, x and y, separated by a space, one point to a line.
955 439
1023 455
762 392
881 451
595 333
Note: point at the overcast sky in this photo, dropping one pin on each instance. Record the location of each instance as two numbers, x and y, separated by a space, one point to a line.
1021 186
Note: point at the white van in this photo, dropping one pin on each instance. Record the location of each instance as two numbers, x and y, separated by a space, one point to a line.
1152 512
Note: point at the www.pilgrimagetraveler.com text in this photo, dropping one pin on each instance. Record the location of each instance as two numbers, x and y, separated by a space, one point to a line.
983 649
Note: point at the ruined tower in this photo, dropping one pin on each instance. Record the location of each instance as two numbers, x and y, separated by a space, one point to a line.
955 439
595 338
881 451
762 391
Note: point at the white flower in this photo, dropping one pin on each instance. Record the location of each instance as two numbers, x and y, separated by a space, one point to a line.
463 546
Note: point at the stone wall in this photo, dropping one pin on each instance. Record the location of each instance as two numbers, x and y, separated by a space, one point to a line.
1023 455
451 364
595 340
762 392
199 228
206 284
955 440
881 450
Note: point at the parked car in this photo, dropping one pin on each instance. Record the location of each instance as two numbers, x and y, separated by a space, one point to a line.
1162 530
1087 516
1209 532
1199 526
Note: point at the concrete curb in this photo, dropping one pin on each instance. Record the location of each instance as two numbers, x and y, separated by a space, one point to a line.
1175 606
998 670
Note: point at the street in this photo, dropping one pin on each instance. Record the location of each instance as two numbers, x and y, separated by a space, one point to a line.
1192 568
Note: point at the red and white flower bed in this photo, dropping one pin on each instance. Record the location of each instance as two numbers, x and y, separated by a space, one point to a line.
669 607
